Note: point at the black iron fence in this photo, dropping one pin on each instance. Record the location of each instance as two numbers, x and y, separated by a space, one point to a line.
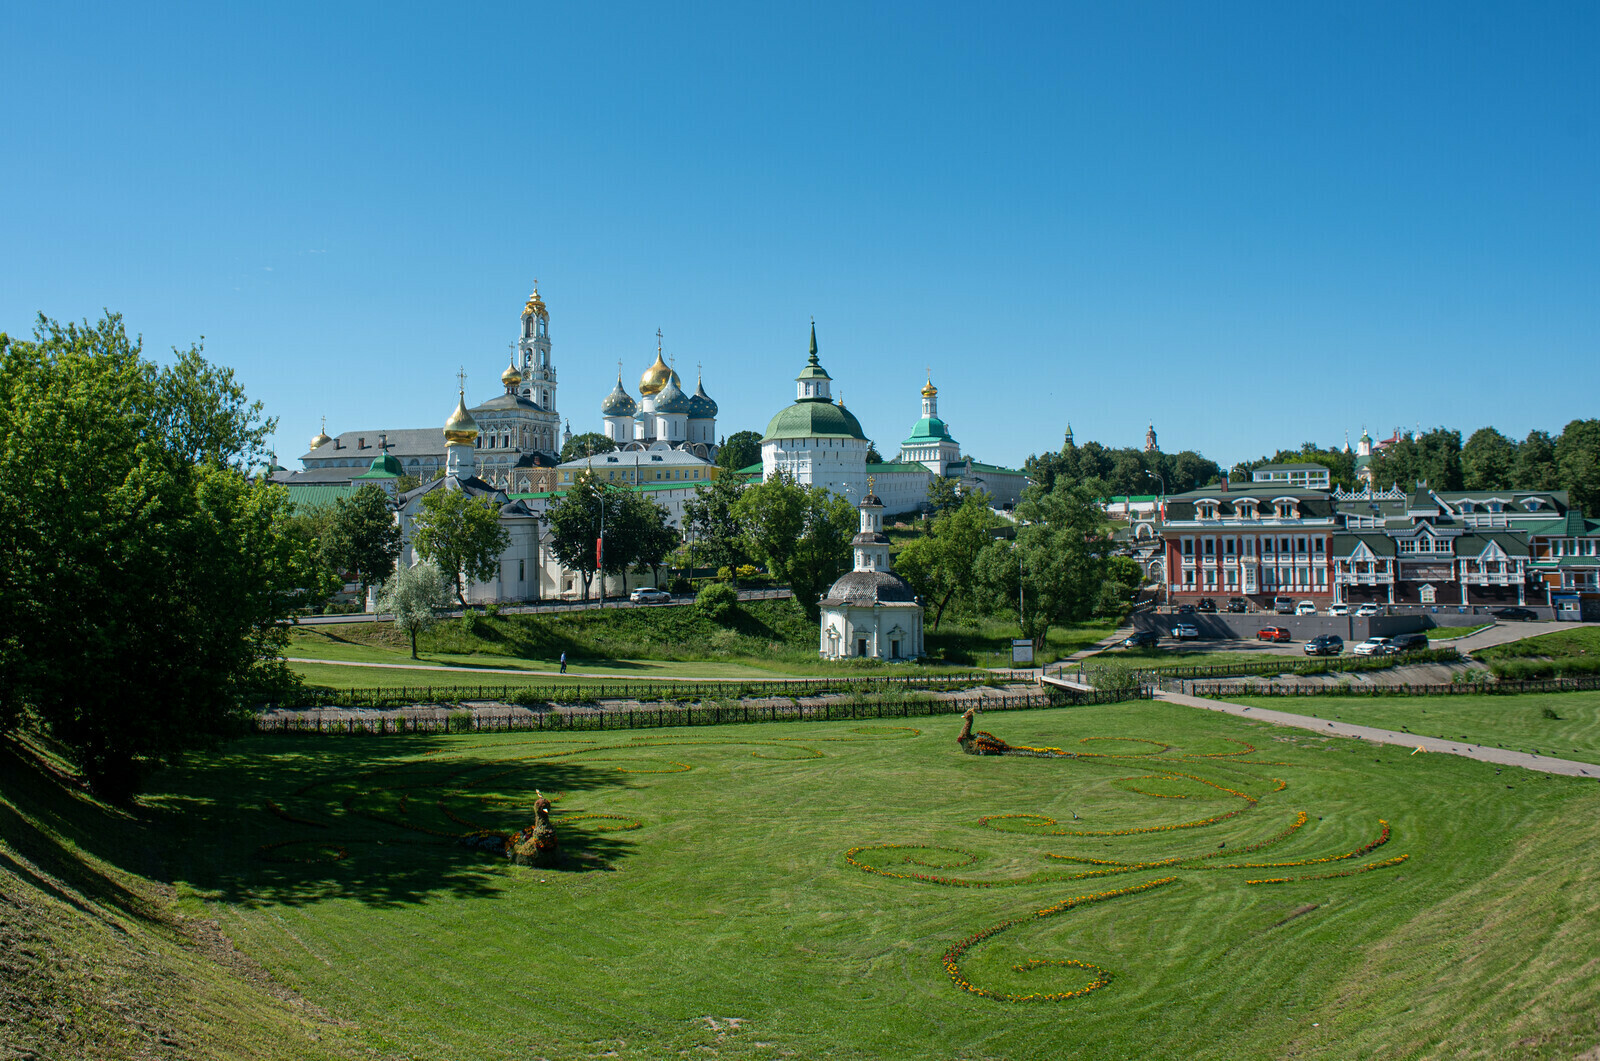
680 714
382 697
1222 691
1293 665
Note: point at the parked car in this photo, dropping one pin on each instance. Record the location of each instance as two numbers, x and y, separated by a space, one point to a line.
1325 645
1238 605
1140 639
1306 607
1375 646
1206 604
1337 610
1409 642
1283 605
650 595
1520 615
1185 632
1185 609
1367 611
1273 633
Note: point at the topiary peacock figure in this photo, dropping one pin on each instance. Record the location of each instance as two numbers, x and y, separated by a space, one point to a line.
981 743
537 845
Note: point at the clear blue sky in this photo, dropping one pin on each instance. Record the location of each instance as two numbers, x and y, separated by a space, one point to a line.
1254 224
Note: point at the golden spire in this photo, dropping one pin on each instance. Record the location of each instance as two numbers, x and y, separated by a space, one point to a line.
535 304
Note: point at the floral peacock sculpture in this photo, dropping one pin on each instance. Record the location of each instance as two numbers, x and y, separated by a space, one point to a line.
981 743
536 846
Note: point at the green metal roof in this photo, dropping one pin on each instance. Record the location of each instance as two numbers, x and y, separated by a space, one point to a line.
814 419
319 495
813 369
928 430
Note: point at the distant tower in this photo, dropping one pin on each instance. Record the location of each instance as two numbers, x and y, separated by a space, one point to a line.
1347 440
533 351
1067 444
1150 445
460 440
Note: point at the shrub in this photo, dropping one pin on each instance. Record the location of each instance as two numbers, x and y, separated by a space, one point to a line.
724 574
491 610
460 721
717 601
1112 676
748 570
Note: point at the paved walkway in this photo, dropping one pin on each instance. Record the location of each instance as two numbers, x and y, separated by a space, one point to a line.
1498 756
1501 633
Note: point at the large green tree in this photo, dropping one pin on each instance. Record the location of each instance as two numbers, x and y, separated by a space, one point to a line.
362 537
1578 464
1488 461
461 534
146 582
802 534
1535 468
713 529
1434 457
740 450
1054 572
942 564
576 522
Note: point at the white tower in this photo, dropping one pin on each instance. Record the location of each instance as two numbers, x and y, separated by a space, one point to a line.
533 351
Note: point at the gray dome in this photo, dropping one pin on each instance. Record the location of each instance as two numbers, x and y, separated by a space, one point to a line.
701 407
618 403
870 587
671 399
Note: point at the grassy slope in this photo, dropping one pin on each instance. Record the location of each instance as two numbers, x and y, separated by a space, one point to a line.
98 961
1583 641
1514 721
765 639
733 900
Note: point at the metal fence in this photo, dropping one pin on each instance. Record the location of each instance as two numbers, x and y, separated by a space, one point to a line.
666 715
1294 665
1218 690
591 692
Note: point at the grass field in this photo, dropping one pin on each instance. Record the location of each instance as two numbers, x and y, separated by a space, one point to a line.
1452 633
765 639
1517 721
1565 653
836 890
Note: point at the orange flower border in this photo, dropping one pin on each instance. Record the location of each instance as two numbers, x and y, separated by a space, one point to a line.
952 957
1368 868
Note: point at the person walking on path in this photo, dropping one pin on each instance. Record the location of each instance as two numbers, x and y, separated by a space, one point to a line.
563 663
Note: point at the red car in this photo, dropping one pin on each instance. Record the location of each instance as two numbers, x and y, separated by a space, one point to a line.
1273 633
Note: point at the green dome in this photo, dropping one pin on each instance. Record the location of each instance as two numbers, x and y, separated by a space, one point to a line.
383 467
928 429
814 419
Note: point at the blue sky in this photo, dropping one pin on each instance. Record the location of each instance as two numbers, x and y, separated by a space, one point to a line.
1254 224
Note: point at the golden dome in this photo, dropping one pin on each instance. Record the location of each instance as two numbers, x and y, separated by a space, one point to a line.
461 427
656 376
535 305
321 438
929 390
511 377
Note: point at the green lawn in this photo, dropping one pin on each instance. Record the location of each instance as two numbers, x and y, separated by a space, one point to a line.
1565 653
729 890
1515 721
1451 633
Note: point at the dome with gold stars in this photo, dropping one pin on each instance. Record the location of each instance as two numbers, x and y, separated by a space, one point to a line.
461 427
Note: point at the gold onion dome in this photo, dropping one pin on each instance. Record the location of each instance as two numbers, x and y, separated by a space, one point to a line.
929 390
656 377
511 377
535 305
461 427
321 438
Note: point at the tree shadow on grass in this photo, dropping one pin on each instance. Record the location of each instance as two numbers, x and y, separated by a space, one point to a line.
380 821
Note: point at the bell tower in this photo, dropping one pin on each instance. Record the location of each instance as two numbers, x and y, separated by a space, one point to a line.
533 353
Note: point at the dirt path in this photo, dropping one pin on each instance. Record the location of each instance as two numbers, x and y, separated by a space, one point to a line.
1499 756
